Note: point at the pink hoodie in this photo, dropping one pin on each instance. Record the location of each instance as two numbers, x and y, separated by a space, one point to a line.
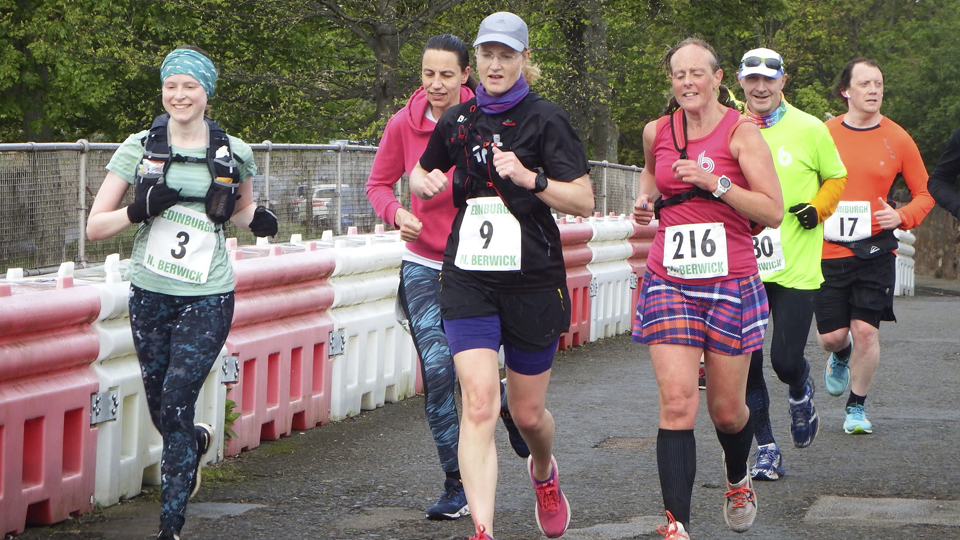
403 142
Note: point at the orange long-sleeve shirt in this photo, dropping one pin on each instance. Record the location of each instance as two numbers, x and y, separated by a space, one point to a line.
873 158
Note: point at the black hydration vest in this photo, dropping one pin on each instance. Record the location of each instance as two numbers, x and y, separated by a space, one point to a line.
472 141
222 195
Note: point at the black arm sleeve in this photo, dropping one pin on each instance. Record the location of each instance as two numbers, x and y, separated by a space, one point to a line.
942 183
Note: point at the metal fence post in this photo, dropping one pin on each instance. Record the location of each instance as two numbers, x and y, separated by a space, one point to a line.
341 147
266 171
82 202
604 195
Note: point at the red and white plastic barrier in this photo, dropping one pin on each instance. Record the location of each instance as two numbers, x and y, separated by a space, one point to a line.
280 335
574 236
47 445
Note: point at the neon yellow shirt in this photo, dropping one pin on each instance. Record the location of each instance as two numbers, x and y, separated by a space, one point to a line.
804 154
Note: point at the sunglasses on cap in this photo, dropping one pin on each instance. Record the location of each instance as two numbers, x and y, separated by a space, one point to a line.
754 61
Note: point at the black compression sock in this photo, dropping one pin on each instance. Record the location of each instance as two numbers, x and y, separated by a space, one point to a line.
854 399
736 449
677 465
845 352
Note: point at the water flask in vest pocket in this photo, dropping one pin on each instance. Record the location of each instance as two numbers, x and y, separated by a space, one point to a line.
148 175
221 199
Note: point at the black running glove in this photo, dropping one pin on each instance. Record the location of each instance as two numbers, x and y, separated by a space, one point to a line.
806 214
157 198
264 222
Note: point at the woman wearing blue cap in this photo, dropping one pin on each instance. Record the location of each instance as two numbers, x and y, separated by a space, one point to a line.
503 280
189 178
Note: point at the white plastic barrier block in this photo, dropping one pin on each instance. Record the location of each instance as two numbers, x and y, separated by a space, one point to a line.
611 307
379 361
129 445
129 448
370 256
356 289
904 284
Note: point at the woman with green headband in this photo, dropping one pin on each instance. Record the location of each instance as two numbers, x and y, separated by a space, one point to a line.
181 298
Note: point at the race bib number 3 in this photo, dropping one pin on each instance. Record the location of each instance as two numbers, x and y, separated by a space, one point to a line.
695 250
769 251
181 245
489 237
851 222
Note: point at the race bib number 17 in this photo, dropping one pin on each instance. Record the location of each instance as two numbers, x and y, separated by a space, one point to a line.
850 222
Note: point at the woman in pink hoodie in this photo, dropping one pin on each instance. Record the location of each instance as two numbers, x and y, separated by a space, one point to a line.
445 73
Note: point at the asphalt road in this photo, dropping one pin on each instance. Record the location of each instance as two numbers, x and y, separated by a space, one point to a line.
371 477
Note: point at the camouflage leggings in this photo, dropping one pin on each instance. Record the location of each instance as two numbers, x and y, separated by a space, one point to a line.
177 338
419 296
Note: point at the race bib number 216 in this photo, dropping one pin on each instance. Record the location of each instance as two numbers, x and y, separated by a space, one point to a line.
695 250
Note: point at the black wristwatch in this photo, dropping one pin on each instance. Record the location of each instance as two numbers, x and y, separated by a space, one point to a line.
540 184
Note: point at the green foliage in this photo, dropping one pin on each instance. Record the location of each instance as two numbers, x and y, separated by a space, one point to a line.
230 416
315 70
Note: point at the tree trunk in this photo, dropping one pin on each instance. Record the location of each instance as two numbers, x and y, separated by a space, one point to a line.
603 133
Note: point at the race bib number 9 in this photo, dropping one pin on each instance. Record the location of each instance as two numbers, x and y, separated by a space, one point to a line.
695 250
489 237
181 245
769 251
851 222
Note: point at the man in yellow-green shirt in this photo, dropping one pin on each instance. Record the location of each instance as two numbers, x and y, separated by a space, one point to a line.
812 177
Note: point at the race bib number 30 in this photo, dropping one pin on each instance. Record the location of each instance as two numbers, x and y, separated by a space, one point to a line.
489 237
181 245
851 222
695 250
769 251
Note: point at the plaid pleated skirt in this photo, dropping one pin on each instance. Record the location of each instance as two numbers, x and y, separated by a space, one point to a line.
728 317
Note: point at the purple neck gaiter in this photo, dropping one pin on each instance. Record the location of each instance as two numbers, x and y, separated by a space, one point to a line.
498 104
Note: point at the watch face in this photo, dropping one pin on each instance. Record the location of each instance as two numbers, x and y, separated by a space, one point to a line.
541 183
725 182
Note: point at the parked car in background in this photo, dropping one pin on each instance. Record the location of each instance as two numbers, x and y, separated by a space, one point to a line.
326 203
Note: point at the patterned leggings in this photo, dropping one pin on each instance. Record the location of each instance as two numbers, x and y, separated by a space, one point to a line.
419 296
178 339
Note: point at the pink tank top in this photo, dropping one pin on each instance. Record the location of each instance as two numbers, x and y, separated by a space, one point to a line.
713 154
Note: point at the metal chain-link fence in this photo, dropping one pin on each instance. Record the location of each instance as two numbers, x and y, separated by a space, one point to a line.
46 190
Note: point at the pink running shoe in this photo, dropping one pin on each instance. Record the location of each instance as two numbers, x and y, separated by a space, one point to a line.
553 510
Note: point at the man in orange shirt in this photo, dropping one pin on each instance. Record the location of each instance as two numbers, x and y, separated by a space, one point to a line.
859 263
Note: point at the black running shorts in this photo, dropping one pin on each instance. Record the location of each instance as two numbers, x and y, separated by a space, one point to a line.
855 288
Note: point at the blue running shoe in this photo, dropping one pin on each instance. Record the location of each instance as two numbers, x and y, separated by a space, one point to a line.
804 420
516 440
452 504
769 465
836 376
856 422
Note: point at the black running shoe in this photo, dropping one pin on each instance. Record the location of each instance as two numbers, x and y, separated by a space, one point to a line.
204 434
516 440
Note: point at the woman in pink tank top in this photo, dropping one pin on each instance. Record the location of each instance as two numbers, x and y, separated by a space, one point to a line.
701 295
